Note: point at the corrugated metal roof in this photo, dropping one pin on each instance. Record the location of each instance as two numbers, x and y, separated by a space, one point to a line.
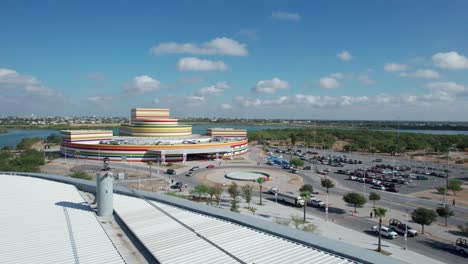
175 235
48 222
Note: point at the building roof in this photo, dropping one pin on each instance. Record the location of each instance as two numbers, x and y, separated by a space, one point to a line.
43 221
175 235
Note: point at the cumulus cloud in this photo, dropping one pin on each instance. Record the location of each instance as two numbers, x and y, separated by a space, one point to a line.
216 46
99 99
142 84
329 82
226 106
448 87
195 64
422 73
450 60
395 67
344 55
270 86
281 15
10 79
216 89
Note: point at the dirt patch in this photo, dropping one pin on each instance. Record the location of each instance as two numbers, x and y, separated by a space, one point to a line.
460 199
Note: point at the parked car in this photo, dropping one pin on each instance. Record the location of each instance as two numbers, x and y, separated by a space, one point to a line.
385 231
401 228
293 170
377 160
194 168
461 245
189 174
307 168
171 172
210 166
177 185
392 189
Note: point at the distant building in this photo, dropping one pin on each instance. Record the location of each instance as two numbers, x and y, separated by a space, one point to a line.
153 136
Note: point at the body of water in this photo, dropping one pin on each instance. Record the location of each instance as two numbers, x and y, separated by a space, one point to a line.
14 136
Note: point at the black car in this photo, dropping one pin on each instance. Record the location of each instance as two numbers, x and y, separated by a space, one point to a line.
171 172
307 168
177 185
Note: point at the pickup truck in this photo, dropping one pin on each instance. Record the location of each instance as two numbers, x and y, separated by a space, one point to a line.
461 245
400 228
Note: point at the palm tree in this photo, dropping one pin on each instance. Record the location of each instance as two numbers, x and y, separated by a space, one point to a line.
380 213
150 164
305 196
260 181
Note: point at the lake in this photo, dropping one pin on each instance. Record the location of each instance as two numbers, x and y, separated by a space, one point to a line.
14 136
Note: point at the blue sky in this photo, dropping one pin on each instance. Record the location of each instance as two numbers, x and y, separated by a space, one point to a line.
286 59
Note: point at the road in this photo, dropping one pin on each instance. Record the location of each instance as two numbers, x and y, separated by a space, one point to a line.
423 245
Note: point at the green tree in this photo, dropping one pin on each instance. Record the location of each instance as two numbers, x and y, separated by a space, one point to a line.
200 190
233 191
247 191
53 139
464 229
455 186
305 196
374 197
327 183
150 164
307 188
355 199
445 213
380 213
296 162
26 143
423 217
260 181
293 139
218 192
211 191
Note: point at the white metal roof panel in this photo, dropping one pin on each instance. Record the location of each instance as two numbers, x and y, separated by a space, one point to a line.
171 242
47 222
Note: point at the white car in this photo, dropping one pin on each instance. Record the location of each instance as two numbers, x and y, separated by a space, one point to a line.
385 231
315 202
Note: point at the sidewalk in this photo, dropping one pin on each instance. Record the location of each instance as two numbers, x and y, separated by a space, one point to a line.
269 211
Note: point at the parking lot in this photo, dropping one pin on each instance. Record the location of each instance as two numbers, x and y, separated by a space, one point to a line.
357 171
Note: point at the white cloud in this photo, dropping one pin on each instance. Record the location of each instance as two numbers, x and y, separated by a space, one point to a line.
344 56
423 74
216 89
226 106
10 78
142 84
329 83
395 67
194 99
99 99
448 87
217 46
195 64
366 79
281 15
337 75
450 60
270 86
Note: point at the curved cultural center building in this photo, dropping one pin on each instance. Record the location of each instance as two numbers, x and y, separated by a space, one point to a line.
153 136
